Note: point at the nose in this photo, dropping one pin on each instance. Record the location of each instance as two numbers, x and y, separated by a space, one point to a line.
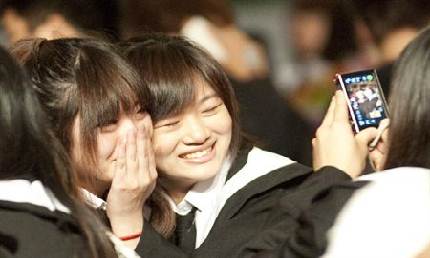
195 131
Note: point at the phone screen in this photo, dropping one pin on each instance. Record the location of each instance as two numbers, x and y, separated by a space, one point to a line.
366 101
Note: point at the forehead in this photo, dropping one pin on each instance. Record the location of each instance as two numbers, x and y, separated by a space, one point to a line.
203 89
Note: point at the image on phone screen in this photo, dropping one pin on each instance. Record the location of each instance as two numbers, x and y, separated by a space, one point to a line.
366 102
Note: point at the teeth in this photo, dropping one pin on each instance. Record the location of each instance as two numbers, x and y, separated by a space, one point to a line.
197 154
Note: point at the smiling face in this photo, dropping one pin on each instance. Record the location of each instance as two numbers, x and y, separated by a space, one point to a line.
191 146
98 178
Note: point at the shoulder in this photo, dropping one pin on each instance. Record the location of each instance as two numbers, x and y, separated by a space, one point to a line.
393 207
260 163
34 231
264 170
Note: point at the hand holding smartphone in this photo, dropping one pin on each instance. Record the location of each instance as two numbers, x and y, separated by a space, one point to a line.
366 102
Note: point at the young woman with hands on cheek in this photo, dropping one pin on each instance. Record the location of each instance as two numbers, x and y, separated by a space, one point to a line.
42 214
99 111
226 193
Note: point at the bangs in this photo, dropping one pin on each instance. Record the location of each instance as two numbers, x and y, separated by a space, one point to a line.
172 86
107 86
171 67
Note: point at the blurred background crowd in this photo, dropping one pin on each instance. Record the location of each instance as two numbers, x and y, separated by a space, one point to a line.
281 55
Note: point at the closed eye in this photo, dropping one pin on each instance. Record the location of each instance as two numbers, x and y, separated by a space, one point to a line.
166 124
109 126
211 109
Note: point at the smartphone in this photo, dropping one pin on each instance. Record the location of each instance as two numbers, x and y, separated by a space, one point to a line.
366 102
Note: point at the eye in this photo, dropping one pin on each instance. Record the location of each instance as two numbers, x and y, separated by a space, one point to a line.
109 126
212 108
166 123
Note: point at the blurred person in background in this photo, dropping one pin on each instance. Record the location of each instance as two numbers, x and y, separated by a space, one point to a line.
390 26
57 18
324 41
211 24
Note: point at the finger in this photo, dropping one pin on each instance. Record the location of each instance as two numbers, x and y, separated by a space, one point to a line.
328 118
142 154
120 160
341 108
377 159
382 133
149 155
130 149
385 123
151 161
149 126
365 137
315 155
141 145
130 152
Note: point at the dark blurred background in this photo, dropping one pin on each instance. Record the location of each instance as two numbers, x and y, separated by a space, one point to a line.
281 55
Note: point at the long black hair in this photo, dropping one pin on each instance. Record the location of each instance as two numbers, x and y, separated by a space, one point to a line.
409 138
28 147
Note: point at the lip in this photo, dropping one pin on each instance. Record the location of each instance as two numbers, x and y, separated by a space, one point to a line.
207 157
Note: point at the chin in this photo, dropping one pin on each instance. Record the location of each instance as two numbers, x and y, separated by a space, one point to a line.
204 175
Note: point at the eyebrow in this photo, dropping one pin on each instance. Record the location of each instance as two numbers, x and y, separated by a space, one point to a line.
213 95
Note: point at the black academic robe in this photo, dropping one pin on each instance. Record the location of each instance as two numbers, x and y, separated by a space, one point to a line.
258 217
28 230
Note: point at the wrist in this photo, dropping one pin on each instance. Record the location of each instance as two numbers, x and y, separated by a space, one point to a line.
126 225
130 237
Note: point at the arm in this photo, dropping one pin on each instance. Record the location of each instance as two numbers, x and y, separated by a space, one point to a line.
306 236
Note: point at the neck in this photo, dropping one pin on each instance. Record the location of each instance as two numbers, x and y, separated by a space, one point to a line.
98 187
175 190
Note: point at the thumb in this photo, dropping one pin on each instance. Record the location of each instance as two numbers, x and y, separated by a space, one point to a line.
366 136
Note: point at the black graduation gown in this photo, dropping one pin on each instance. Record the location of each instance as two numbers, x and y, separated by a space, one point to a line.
258 217
28 230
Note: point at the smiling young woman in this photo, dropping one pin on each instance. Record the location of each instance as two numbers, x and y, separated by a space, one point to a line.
231 189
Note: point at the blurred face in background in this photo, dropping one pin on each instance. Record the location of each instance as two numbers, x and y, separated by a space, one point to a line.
52 27
310 33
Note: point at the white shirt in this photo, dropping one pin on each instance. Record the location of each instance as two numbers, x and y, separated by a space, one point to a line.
33 192
388 218
210 196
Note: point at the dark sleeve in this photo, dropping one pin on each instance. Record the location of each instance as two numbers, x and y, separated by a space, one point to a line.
309 237
312 188
293 208
7 245
152 244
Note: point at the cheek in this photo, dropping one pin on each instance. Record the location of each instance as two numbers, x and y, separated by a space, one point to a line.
164 145
106 145
221 124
